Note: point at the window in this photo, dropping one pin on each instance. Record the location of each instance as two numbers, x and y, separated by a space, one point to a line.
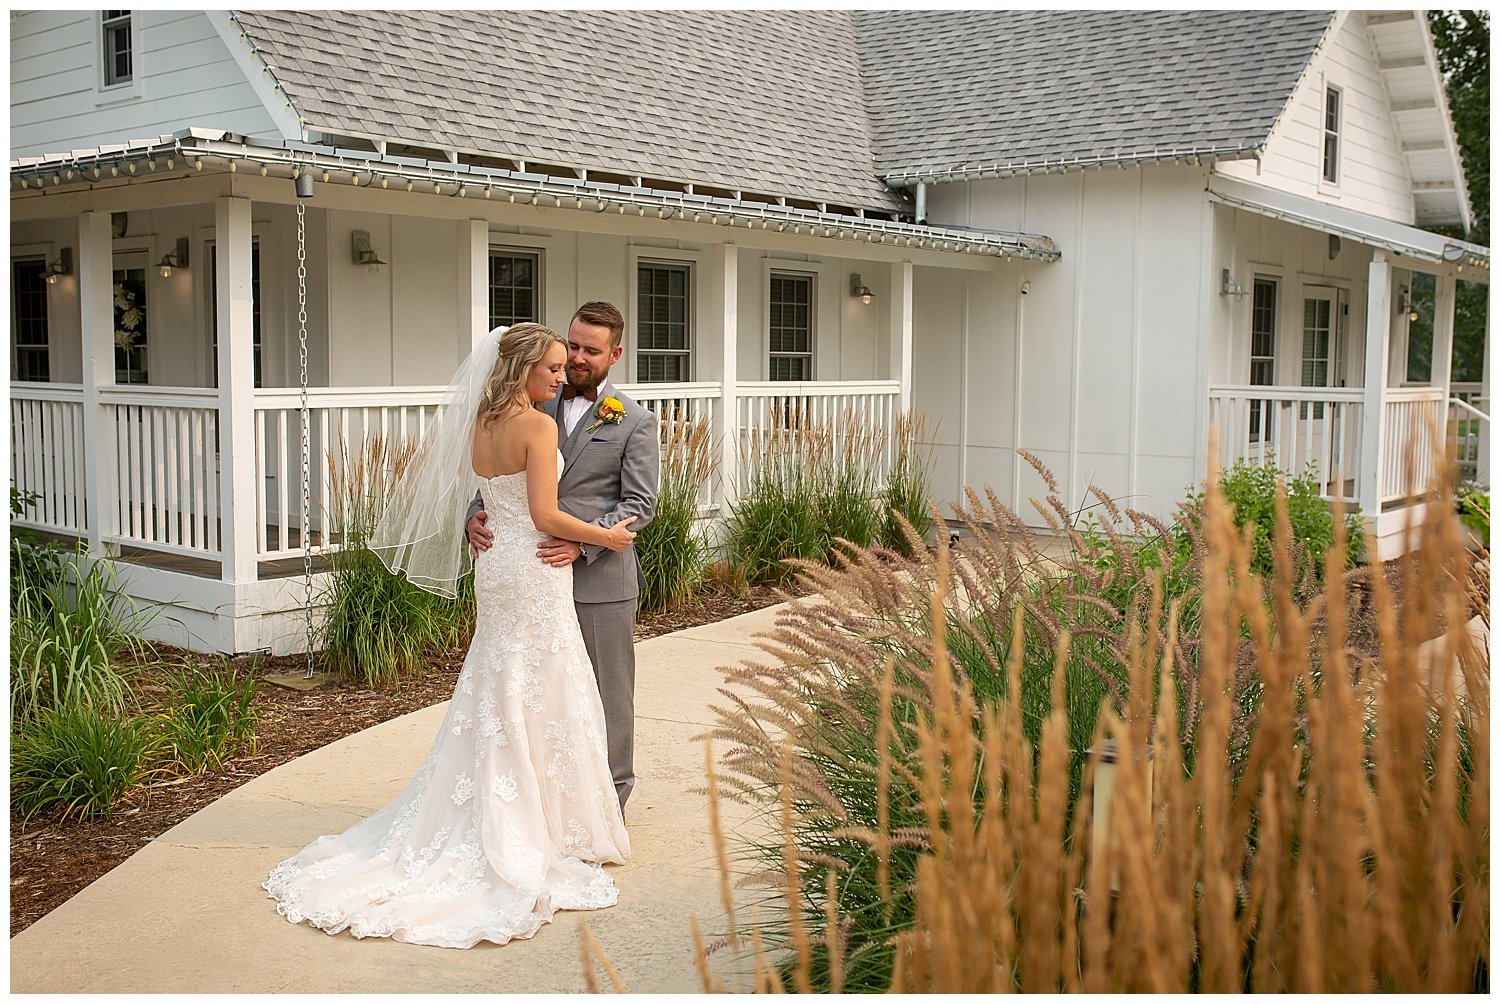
514 286
1317 335
1419 317
130 325
1262 351
213 309
791 327
1333 113
662 354
118 62
28 304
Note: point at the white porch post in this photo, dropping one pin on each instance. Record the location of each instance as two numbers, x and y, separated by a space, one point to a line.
900 354
1443 305
1482 475
1377 359
96 303
721 351
474 260
237 460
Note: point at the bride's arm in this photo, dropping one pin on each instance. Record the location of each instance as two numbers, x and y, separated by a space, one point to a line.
541 493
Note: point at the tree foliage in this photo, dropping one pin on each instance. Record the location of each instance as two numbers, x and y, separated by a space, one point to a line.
1462 40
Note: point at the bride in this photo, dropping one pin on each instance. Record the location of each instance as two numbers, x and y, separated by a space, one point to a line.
513 812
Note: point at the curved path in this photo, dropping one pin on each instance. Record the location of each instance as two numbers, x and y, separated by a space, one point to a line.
186 913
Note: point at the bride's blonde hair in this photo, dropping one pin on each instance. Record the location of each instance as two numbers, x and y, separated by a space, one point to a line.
521 347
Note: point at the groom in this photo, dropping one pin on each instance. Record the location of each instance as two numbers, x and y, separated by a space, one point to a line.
611 466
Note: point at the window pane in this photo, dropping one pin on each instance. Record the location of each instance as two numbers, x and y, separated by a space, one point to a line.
29 311
513 287
130 325
790 324
662 310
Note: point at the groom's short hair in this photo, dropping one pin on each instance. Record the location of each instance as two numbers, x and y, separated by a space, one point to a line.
605 314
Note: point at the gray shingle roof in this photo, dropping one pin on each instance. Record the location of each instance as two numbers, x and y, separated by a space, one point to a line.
948 89
766 102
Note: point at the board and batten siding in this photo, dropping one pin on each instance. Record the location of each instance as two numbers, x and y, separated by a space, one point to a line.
1098 369
1373 177
186 76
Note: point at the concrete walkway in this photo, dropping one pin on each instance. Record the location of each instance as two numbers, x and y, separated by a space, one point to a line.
186 914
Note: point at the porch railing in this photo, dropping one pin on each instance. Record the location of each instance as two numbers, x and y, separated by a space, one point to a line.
844 408
162 446
1409 457
1293 426
336 415
1464 426
46 455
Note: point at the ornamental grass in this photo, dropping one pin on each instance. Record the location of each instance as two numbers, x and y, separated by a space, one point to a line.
926 832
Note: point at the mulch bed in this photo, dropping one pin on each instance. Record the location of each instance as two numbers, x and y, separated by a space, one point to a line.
52 860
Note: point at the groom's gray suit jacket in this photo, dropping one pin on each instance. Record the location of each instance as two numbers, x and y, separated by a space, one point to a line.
608 474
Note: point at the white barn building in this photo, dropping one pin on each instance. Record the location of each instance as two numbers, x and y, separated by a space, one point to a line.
1088 235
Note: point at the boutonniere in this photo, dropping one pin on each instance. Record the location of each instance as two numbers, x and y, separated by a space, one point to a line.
610 411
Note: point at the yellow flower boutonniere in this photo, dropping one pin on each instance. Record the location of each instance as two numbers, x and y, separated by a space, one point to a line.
610 410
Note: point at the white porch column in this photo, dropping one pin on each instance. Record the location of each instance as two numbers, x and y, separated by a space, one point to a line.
721 352
1442 334
1377 358
237 460
96 304
473 261
900 329
1482 475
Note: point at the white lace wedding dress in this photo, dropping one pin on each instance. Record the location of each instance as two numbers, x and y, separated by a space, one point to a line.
514 808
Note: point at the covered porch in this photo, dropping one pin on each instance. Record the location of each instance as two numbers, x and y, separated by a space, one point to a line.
739 315
1342 302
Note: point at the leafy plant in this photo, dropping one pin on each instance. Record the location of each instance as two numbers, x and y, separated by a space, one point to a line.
77 759
66 634
671 549
1474 510
210 716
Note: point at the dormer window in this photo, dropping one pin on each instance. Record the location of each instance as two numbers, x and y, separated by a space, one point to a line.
119 64
1333 117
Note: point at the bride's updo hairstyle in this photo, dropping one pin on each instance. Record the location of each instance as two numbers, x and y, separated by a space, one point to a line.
521 347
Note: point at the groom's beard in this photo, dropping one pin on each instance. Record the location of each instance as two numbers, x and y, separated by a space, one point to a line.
587 384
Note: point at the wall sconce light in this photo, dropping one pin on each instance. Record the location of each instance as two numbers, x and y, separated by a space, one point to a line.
859 289
177 258
364 254
63 266
1227 285
1406 306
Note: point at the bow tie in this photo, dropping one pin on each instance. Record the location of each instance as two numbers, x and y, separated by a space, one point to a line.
569 393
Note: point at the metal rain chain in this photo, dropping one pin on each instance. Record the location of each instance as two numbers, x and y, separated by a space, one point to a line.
306 430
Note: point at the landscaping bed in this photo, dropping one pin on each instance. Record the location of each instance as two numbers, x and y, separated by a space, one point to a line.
52 860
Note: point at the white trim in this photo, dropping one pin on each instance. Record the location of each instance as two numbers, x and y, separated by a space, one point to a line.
1330 187
555 304
825 315
108 95
257 74
47 252
1414 248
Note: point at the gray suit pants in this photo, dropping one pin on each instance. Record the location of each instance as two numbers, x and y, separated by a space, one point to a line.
608 634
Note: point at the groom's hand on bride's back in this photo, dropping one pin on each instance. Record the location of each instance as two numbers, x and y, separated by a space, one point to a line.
480 539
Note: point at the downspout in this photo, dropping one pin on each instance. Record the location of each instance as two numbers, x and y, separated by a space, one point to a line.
921 211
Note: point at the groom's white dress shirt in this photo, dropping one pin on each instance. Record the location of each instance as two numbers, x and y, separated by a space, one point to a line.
575 408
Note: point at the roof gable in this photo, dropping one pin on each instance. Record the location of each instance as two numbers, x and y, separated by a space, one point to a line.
1007 91
768 102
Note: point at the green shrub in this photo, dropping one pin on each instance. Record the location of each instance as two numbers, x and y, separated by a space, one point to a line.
671 549
379 627
209 717
34 566
1251 490
809 484
77 759
1474 510
66 636
909 485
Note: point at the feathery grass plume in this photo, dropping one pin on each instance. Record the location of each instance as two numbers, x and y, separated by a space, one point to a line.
672 550
1299 800
909 519
379 627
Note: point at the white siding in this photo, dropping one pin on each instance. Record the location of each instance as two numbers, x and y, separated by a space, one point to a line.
1096 370
187 77
1373 178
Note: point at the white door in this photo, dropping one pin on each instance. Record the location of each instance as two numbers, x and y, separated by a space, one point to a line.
1323 428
